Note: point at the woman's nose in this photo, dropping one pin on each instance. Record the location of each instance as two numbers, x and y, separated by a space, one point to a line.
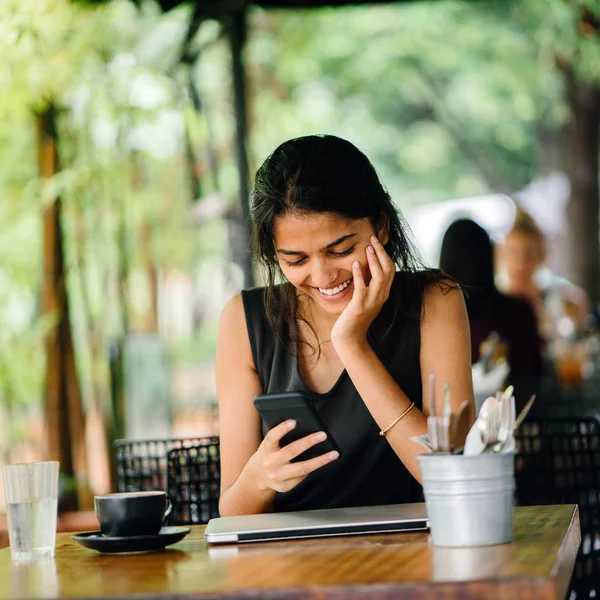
323 275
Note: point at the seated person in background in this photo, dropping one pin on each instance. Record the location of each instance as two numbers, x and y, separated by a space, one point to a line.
553 300
355 324
467 255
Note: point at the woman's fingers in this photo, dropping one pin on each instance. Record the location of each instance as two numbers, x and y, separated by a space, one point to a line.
360 288
300 470
377 274
385 263
274 435
296 448
282 475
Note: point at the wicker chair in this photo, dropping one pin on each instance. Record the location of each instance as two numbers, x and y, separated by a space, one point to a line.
558 462
193 483
188 469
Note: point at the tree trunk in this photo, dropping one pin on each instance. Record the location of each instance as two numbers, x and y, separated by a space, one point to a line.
241 244
583 210
63 407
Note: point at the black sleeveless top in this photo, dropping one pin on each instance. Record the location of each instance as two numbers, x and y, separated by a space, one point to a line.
368 472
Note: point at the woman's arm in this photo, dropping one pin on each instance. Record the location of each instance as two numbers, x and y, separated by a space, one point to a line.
446 347
252 469
237 384
445 350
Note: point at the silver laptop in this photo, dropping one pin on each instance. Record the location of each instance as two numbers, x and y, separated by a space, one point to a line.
317 523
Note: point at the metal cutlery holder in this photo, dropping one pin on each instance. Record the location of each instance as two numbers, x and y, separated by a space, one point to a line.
469 498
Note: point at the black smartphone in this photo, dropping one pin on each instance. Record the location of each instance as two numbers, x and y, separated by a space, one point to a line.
276 408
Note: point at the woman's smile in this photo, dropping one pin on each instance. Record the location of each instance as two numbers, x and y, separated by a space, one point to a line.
338 292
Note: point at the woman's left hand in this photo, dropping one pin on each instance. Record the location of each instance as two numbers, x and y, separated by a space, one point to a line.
352 325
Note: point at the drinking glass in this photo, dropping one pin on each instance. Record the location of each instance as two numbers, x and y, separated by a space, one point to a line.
31 508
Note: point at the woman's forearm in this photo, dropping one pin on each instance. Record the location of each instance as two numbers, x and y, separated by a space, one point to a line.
244 497
386 402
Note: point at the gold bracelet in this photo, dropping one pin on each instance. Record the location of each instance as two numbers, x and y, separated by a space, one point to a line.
384 431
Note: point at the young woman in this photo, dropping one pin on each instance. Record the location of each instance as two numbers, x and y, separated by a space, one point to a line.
354 324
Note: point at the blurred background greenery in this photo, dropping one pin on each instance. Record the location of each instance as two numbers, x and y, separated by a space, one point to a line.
449 100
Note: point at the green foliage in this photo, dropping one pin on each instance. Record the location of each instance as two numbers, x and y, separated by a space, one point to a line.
447 99
120 129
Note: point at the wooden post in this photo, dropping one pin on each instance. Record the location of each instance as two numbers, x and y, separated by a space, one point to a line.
583 213
63 409
237 37
116 430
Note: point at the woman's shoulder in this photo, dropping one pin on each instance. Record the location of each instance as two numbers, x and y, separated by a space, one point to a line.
243 306
232 315
424 279
244 323
251 306
411 289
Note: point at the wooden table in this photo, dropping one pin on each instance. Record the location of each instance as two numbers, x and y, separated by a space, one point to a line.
536 566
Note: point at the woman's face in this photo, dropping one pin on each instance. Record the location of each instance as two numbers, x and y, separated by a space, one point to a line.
522 257
316 251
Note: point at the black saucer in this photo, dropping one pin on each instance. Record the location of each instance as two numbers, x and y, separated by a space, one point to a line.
131 545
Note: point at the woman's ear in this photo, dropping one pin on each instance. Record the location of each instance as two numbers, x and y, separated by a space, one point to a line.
383 231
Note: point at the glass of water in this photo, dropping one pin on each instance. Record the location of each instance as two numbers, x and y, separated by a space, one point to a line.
31 509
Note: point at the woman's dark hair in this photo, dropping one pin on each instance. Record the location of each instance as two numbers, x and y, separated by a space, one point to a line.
318 174
467 255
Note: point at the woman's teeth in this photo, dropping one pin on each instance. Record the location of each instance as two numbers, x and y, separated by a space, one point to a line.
335 290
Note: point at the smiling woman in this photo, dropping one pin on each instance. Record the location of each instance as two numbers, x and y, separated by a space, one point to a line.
357 325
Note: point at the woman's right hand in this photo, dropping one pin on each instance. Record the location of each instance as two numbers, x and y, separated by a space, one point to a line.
272 463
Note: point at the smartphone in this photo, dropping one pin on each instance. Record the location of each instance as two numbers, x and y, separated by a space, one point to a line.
276 408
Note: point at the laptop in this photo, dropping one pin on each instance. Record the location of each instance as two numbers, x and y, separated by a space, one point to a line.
317 523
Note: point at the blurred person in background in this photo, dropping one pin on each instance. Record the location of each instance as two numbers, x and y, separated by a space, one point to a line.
562 308
467 255
551 297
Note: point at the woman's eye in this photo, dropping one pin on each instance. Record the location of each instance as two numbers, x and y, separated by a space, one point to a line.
296 263
343 252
